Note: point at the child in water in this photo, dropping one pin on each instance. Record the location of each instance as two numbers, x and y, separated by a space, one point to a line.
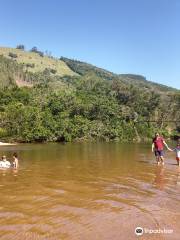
4 163
15 160
177 151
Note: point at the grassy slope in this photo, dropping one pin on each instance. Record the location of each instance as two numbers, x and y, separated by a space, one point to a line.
41 63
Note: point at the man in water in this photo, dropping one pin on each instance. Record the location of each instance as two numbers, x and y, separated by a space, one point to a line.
157 147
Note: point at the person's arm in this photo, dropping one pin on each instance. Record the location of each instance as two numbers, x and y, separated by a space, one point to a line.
170 149
166 145
152 147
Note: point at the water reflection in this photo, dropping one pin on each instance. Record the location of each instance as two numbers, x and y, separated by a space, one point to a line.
4 171
160 177
15 172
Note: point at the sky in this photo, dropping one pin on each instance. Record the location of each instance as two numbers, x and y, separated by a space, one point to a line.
122 36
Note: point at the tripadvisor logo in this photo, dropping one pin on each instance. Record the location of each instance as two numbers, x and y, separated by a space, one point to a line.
139 231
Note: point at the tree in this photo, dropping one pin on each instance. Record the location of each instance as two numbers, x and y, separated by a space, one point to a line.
20 46
34 49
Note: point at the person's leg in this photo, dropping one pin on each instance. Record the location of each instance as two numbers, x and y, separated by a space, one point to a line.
159 160
157 157
162 160
178 162
161 157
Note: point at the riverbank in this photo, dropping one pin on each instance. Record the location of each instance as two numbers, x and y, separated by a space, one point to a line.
13 141
6 144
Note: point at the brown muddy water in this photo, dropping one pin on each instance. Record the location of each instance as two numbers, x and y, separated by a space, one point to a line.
88 191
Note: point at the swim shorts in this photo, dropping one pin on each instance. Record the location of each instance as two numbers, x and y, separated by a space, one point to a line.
158 153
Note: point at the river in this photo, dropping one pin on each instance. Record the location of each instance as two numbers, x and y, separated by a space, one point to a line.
88 191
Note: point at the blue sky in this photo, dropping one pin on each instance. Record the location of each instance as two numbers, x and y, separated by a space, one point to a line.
123 36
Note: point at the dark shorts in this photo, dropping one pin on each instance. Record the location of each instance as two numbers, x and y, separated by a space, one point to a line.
159 153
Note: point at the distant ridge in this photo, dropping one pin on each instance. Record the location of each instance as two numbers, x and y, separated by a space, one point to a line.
83 68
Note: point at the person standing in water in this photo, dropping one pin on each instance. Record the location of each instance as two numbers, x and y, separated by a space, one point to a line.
15 160
177 151
158 143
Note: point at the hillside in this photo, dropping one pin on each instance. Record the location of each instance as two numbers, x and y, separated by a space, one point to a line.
83 68
34 62
29 67
46 99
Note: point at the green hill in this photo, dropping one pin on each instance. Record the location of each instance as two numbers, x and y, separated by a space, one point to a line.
48 99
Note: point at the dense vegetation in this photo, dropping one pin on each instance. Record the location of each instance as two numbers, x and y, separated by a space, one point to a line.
91 105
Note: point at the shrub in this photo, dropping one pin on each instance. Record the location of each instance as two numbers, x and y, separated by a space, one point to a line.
53 71
12 55
31 65
41 54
